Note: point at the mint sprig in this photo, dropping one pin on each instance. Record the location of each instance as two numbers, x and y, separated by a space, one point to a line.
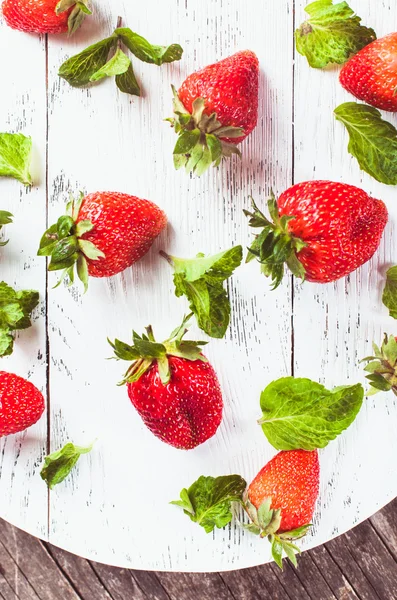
302 414
201 280
389 297
15 157
107 59
208 500
58 465
331 34
373 141
15 312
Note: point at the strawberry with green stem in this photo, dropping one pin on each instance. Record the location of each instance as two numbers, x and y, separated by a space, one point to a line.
215 109
102 234
172 386
321 230
45 16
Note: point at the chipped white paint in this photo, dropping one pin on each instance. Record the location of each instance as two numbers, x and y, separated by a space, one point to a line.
114 508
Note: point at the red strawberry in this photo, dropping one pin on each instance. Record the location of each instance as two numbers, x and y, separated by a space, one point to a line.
45 16
216 108
322 230
103 234
21 404
371 75
281 500
173 387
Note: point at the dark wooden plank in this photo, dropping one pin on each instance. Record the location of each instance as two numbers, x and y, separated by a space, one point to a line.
385 524
14 578
312 579
80 572
258 583
289 581
203 586
119 583
333 574
150 585
36 564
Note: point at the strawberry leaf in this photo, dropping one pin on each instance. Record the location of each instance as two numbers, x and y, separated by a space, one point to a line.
117 65
389 297
382 367
201 280
146 51
79 69
373 141
208 500
331 34
15 157
15 310
58 465
302 414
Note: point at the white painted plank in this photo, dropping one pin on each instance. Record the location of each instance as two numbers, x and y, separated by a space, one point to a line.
23 496
335 324
100 139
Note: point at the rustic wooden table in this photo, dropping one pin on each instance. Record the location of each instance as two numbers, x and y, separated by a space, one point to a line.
98 139
360 565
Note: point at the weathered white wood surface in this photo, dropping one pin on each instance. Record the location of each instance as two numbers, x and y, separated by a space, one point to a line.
114 508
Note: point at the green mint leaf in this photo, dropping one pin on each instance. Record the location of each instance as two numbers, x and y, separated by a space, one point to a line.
117 65
127 83
15 311
15 156
302 414
331 34
389 297
201 281
208 500
5 218
146 51
373 141
58 465
79 69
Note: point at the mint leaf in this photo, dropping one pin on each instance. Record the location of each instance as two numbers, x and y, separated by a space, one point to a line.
331 34
208 500
127 83
15 311
15 156
373 141
58 465
146 51
302 414
117 65
389 297
79 69
201 280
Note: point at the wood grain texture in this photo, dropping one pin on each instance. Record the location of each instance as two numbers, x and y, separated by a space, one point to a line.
114 507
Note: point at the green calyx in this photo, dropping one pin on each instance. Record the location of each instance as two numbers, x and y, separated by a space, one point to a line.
63 242
201 138
5 219
265 522
145 350
274 246
382 367
81 8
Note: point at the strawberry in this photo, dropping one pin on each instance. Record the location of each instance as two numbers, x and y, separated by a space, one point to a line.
322 230
102 234
281 499
21 404
45 16
173 387
371 75
216 109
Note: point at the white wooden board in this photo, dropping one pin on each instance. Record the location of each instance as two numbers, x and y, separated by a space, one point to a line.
114 508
